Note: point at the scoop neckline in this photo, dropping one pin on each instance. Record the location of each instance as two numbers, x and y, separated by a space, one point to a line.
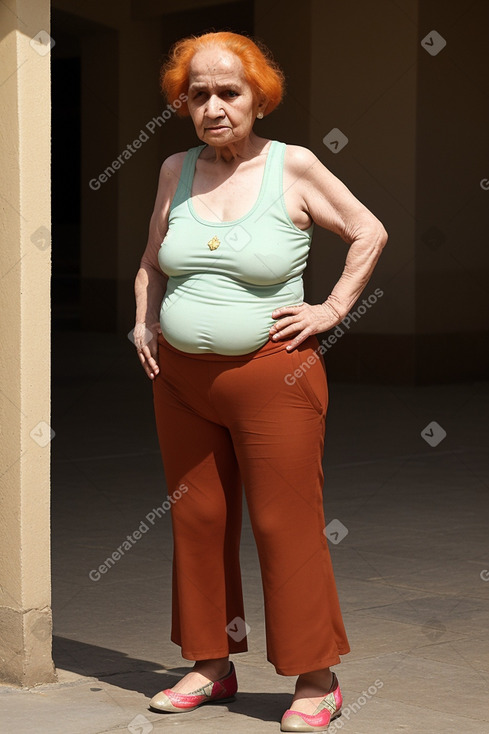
245 216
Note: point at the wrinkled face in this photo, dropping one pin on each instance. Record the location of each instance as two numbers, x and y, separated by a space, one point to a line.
220 100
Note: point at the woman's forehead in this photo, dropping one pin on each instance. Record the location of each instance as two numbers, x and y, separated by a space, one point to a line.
215 63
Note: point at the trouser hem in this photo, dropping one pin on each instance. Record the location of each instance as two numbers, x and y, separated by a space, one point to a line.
209 654
308 667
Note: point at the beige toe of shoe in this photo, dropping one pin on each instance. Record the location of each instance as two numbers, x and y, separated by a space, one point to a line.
161 702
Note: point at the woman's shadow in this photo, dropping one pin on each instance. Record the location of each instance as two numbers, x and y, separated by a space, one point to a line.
146 677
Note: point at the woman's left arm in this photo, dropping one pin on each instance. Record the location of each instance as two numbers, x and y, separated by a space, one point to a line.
332 206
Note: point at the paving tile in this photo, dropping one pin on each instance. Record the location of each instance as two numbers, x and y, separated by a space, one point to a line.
372 636
455 613
435 686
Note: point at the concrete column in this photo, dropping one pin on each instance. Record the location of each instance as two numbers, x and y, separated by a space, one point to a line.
25 267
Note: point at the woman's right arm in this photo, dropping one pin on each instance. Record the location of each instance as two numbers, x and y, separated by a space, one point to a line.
150 282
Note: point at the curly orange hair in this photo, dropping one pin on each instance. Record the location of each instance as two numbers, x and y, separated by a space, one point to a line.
261 71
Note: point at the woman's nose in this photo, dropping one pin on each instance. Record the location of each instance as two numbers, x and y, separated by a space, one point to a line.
214 107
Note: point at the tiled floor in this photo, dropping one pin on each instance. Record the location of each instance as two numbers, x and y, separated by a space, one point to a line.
410 571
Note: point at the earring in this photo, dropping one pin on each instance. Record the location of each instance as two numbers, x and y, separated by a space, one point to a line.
260 115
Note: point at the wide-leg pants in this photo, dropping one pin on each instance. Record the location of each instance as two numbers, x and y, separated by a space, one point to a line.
255 421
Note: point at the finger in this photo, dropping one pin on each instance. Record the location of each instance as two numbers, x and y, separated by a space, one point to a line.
149 355
296 341
284 323
145 365
291 333
287 327
153 364
286 310
149 363
149 372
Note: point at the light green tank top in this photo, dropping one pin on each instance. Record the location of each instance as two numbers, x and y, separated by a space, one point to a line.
226 278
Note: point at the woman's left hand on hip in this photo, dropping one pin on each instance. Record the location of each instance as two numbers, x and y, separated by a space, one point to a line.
304 319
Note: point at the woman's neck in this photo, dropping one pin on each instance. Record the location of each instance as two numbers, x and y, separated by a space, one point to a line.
242 150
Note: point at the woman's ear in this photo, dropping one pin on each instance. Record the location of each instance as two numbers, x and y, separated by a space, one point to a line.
262 104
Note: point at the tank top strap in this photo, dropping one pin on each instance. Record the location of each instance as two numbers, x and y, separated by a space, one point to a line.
272 188
184 187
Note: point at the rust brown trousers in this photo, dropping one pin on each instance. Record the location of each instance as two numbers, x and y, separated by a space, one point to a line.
227 422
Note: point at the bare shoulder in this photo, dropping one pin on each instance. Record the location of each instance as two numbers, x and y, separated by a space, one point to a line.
172 166
170 172
298 159
302 165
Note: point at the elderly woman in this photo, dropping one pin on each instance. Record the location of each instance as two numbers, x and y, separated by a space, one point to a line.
221 325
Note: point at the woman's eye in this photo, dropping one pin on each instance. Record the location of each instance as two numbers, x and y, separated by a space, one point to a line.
232 93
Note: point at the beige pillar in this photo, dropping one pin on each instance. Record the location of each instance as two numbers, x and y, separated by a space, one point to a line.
25 265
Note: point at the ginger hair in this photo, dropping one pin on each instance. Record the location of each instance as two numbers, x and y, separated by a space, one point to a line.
261 71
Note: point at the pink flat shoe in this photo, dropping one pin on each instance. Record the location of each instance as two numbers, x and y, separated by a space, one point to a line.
218 691
328 709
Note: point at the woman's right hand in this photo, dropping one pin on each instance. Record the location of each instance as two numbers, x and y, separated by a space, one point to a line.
146 342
